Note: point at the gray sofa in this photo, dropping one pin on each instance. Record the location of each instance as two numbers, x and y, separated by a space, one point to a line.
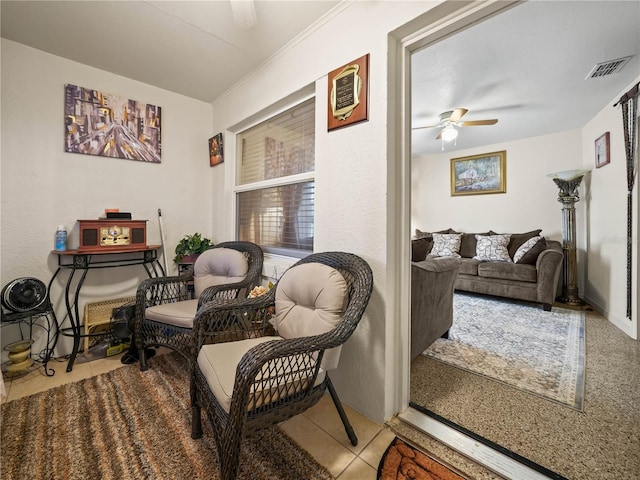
432 284
534 278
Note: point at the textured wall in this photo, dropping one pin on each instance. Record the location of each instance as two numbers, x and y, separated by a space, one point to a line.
42 186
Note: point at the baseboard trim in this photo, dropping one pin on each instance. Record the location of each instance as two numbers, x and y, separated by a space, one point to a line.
496 462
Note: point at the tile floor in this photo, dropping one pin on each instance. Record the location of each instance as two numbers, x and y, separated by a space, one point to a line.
319 430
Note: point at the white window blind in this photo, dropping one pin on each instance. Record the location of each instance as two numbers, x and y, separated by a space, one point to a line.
275 185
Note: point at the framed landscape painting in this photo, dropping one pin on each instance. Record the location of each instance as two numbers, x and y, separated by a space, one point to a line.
479 174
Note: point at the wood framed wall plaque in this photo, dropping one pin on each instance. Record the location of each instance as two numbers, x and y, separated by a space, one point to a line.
348 94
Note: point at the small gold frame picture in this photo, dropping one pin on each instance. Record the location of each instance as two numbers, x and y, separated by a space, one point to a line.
479 174
602 150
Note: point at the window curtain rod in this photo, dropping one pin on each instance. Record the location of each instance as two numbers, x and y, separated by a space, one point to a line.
629 103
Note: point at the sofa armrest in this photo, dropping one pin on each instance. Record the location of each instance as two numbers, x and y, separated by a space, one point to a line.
549 266
432 284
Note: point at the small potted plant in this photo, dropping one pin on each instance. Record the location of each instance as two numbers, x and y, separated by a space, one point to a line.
190 246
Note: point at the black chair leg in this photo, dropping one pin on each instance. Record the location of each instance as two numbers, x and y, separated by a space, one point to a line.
343 416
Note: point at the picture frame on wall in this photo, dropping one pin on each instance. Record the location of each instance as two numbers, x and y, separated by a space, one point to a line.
216 156
348 94
602 150
479 174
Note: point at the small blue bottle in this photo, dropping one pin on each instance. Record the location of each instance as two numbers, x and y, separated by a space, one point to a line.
61 239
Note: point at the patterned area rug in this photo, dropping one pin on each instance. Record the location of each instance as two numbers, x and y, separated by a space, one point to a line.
402 461
518 344
131 425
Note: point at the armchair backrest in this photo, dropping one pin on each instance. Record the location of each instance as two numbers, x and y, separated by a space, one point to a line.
219 266
320 293
228 263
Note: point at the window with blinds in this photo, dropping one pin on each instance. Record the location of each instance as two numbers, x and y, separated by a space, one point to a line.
275 182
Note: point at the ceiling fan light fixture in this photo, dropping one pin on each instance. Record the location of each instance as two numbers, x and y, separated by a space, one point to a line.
449 134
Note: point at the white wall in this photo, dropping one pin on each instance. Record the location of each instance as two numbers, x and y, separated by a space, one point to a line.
606 283
531 199
42 186
531 202
351 165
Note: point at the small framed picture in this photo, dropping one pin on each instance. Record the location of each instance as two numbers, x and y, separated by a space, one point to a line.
216 156
602 150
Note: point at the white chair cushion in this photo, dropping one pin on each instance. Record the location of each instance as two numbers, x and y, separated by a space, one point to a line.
218 363
310 300
180 314
218 266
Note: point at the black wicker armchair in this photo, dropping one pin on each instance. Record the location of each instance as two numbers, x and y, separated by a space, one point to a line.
165 309
269 376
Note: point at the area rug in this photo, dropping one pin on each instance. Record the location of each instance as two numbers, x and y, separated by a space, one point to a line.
518 344
131 425
402 461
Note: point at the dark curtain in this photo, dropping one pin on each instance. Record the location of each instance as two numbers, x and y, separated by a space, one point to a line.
629 103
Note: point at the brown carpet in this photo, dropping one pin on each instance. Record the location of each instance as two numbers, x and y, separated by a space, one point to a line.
402 461
131 425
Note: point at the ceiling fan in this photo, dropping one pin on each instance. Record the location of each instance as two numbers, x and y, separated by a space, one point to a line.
451 119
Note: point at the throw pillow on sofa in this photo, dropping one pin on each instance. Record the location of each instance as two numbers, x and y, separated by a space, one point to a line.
420 248
517 239
492 248
528 252
468 243
446 244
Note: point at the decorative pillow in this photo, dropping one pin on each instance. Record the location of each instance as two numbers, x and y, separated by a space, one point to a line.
493 248
446 244
529 250
468 244
420 248
518 239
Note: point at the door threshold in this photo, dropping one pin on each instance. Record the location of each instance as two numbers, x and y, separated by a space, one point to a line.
497 459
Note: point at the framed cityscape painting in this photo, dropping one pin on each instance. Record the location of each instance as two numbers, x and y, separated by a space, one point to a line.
98 123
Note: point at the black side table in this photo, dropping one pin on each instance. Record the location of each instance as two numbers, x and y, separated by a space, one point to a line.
76 261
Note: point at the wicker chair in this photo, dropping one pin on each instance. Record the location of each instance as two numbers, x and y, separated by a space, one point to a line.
257 382
165 309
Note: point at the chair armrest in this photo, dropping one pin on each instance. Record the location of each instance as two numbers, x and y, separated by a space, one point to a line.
224 319
227 290
154 291
278 369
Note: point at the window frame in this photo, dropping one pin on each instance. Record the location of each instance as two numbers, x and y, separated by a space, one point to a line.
263 116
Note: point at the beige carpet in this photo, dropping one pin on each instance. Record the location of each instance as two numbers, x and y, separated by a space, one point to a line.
131 425
600 443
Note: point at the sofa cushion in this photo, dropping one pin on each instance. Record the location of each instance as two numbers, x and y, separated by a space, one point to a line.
508 271
529 250
420 248
468 244
492 248
421 234
518 239
469 266
446 244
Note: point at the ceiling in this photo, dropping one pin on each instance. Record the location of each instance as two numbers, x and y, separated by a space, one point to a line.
194 48
526 67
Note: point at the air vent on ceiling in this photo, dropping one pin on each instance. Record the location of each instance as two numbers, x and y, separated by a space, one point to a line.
610 67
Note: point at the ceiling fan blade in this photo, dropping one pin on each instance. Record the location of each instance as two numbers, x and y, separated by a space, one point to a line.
457 114
471 123
427 126
440 134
